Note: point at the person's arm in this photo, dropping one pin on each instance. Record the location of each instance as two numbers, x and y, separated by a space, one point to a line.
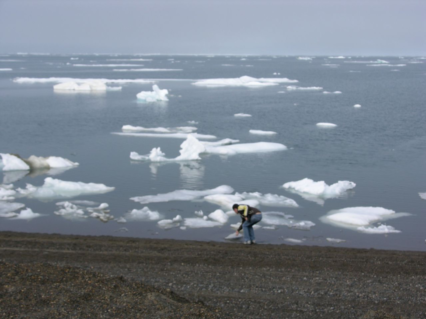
241 226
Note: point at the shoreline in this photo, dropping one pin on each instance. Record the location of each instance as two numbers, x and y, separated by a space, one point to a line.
227 280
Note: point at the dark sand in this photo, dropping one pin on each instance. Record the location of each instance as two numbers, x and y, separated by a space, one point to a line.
57 276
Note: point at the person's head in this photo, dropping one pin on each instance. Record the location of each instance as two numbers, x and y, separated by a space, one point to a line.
235 208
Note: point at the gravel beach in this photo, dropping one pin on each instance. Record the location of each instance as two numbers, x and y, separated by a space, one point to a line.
59 276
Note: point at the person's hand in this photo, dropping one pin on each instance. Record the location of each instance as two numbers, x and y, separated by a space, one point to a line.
237 233
247 218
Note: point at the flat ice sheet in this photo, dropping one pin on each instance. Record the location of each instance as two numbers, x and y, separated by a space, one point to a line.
244 81
242 115
167 135
182 195
260 132
326 125
78 80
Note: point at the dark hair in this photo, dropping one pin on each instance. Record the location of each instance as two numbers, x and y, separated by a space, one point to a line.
235 206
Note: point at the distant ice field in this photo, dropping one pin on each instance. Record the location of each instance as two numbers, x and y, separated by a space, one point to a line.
380 147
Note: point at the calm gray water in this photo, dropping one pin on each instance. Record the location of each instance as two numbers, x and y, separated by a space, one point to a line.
380 146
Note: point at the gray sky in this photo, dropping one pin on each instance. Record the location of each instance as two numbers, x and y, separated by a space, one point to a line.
300 27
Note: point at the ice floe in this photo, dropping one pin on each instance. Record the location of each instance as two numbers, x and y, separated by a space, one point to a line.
294 241
181 129
191 149
129 60
89 86
167 135
55 189
422 195
10 162
304 58
281 219
299 88
335 92
104 65
271 200
7 208
244 81
146 70
219 216
121 220
326 125
234 236
337 57
357 105
242 115
358 218
153 96
182 195
378 61
335 240
24 80
200 223
26 214
319 191
381 229
260 132
70 211
5 69
388 65
170 223
143 214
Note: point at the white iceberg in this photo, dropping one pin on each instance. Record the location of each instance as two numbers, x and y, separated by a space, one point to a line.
335 240
5 69
381 229
227 200
335 92
304 58
234 236
104 65
357 105
260 132
144 214
153 96
170 223
326 125
26 214
294 241
182 195
181 129
11 162
299 88
219 216
146 70
422 195
55 188
359 217
245 148
7 208
166 135
7 192
70 211
78 80
271 200
337 57
200 223
242 115
244 81
319 191
281 219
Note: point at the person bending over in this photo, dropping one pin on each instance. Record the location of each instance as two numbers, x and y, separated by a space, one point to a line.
249 217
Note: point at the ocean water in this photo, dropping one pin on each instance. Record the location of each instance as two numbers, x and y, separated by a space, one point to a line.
380 146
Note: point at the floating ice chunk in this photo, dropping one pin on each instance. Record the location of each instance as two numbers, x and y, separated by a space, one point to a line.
357 105
55 188
153 96
367 62
422 195
335 92
281 219
129 59
242 115
331 65
36 162
104 65
192 122
143 214
130 128
335 240
200 223
183 227
78 80
7 208
244 81
121 220
70 211
234 236
260 132
358 217
299 88
244 148
103 216
337 57
270 227
146 70
294 241
199 213
167 135
156 155
13 163
5 69
7 192
311 190
89 86
382 229
227 200
219 216
27 214
225 141
304 58
182 195
388 65
170 223
269 199
326 125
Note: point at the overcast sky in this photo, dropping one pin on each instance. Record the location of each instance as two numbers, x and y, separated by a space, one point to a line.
286 27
